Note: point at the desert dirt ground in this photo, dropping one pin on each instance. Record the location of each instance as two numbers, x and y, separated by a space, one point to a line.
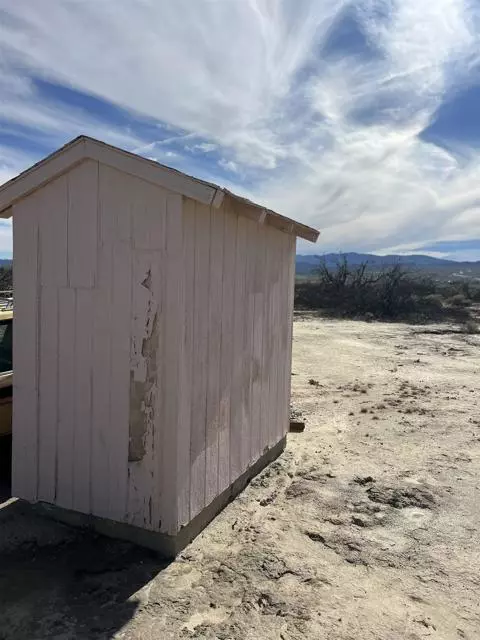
367 527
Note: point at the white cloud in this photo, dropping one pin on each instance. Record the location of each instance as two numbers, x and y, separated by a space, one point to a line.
204 147
11 162
229 165
335 140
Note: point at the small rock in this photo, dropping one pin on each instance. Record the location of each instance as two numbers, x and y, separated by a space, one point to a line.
402 498
315 536
363 480
360 522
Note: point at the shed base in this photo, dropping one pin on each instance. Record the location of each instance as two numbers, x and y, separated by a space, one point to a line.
168 546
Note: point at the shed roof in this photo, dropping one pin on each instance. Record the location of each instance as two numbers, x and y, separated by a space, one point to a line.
83 147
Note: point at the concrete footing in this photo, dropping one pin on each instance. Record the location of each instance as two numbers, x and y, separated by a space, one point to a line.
167 546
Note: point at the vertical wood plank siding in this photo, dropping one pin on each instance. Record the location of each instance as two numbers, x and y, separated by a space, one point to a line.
239 355
152 347
213 356
236 357
66 397
199 358
171 356
185 394
25 345
226 347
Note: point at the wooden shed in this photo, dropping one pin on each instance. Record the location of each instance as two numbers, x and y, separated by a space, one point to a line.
152 341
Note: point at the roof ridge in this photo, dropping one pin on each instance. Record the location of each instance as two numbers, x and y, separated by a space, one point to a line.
85 147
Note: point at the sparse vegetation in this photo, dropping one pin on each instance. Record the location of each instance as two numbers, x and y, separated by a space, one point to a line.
6 281
391 293
458 300
471 327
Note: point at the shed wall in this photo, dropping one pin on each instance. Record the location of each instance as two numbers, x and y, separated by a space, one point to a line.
235 373
151 348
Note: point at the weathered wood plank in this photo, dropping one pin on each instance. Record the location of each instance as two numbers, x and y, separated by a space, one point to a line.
100 454
39 174
26 283
238 359
185 394
258 329
282 322
267 345
120 380
83 400
111 349
66 397
145 387
247 424
159 175
214 346
82 224
148 221
172 355
109 200
48 394
112 196
24 443
149 207
276 328
282 335
52 214
290 287
226 369
200 350
25 350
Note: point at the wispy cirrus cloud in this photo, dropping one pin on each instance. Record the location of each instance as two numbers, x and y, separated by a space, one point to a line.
320 109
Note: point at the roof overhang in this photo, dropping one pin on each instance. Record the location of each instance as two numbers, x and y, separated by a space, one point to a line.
83 148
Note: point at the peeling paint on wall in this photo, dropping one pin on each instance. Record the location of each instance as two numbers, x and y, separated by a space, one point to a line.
143 379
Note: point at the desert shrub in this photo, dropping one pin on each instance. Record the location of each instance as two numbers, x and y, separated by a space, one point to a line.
475 293
471 327
435 300
392 293
468 289
458 300
5 278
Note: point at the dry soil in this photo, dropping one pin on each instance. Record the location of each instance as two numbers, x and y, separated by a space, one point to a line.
367 527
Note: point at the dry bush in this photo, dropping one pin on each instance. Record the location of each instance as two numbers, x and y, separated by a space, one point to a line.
6 282
392 293
458 300
471 327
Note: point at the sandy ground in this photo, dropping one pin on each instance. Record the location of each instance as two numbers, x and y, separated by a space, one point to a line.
367 527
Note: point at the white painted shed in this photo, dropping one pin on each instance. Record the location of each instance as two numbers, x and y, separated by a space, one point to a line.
152 341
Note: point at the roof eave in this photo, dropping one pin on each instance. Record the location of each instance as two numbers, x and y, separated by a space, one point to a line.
83 147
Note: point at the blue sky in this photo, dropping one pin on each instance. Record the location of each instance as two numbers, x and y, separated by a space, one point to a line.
360 118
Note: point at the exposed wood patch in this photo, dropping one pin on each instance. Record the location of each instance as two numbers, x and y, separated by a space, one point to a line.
142 405
145 387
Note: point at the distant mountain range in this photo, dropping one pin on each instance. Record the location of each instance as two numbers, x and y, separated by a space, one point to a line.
305 264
